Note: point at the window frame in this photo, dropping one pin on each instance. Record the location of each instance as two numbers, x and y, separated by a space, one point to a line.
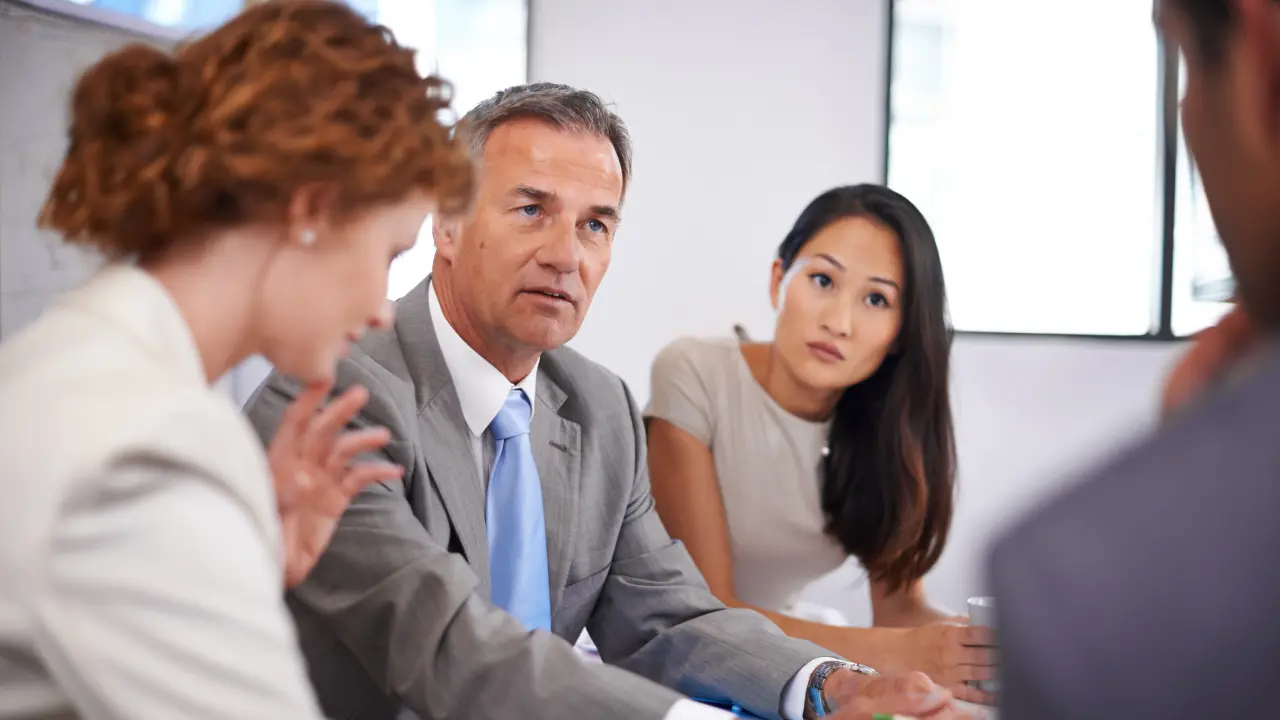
1169 138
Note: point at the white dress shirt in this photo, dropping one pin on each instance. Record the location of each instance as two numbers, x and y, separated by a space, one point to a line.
482 389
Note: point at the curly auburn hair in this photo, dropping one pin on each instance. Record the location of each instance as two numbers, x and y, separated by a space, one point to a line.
289 94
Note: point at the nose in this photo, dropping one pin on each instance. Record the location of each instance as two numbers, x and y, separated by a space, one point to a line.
560 249
384 317
837 317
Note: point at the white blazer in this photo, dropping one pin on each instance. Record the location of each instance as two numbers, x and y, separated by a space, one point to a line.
140 553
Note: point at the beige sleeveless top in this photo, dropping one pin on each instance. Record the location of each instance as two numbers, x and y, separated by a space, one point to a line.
767 462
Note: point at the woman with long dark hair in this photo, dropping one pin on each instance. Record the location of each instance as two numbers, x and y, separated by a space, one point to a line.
774 462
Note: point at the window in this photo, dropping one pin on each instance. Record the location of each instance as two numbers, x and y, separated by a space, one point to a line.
481 47
182 15
1041 169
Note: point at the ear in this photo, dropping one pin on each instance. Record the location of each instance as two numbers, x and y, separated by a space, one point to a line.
307 214
775 283
445 231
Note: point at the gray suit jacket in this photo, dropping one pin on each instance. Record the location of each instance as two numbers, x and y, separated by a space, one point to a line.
397 614
1152 590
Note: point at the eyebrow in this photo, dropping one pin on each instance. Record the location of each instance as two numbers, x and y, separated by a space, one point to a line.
546 196
831 259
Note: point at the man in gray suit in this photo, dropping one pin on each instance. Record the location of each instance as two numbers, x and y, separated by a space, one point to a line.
525 513
1152 590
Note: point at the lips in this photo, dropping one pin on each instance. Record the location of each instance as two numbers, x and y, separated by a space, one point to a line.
826 352
551 293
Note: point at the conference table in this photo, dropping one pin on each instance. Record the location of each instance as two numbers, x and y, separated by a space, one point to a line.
587 650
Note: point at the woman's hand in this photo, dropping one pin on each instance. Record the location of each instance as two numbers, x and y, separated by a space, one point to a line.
951 653
311 459
860 697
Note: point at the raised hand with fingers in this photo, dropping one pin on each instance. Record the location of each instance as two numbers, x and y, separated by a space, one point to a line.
313 462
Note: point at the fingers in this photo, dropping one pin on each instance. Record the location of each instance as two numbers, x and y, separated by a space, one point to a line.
976 672
336 416
293 422
366 474
976 635
351 444
973 695
987 656
955 712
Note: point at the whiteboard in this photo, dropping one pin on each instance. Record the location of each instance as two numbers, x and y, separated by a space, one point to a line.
41 57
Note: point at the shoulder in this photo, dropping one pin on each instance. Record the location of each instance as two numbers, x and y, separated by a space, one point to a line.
1218 459
697 354
580 377
694 361
376 364
1151 539
78 442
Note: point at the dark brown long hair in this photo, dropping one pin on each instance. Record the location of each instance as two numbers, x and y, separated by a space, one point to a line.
889 479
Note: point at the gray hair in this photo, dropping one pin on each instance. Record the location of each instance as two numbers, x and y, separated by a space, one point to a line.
564 107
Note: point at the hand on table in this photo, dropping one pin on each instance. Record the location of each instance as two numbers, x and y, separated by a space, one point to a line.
914 695
951 653
311 463
1214 351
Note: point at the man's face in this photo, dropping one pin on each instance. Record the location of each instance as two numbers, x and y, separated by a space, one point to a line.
1231 119
526 261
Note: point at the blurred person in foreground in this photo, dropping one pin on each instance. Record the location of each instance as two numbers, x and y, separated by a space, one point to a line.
1151 589
249 190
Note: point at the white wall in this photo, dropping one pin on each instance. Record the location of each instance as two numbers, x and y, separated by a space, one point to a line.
741 112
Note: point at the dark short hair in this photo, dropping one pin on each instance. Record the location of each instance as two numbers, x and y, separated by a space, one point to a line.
1211 21
565 107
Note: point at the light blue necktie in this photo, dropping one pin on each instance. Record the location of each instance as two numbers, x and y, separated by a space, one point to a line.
516 527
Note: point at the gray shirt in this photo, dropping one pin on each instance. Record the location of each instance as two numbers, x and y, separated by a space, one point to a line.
767 463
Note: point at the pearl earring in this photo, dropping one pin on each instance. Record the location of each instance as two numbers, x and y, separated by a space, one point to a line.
308 238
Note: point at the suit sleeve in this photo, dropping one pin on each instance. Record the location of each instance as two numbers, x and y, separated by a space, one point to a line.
408 609
162 600
657 617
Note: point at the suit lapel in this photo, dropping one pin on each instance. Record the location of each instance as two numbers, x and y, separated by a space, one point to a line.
446 442
558 457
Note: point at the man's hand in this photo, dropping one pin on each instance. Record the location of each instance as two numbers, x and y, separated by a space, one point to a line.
1214 352
311 462
862 697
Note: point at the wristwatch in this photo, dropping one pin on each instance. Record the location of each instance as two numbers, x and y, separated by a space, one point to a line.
815 701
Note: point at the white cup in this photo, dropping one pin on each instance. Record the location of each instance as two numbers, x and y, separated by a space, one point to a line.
982 612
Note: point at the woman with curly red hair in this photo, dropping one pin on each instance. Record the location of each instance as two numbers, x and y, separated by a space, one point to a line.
249 191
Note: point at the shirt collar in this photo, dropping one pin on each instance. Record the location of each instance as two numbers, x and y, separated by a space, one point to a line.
481 388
